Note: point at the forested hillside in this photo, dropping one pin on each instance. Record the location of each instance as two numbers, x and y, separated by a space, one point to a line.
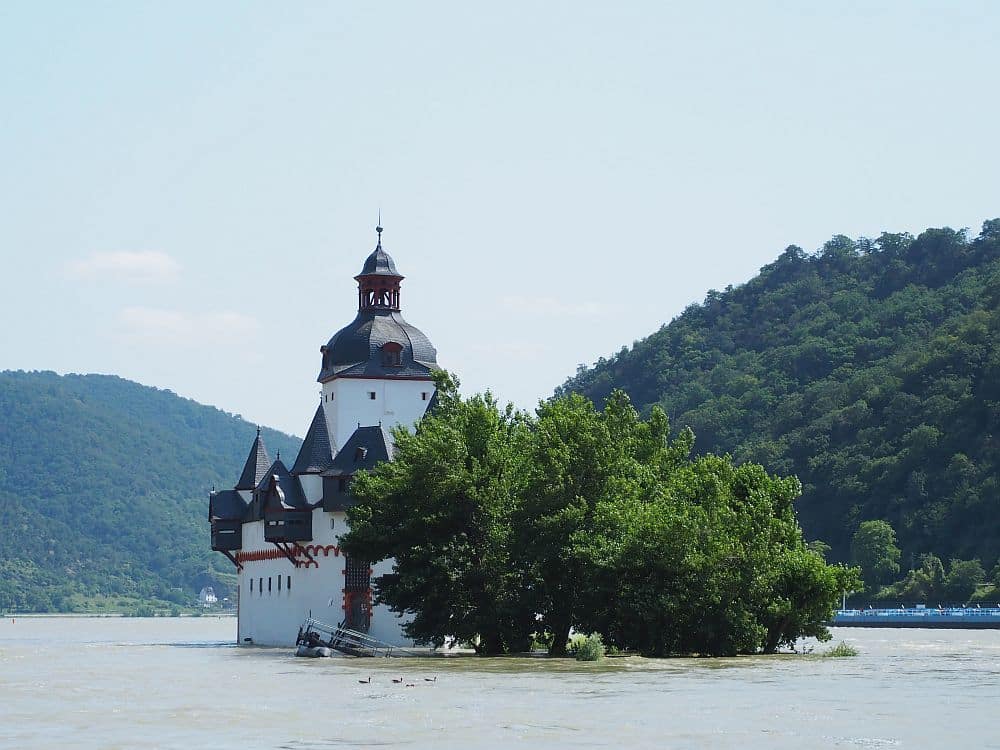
104 488
870 369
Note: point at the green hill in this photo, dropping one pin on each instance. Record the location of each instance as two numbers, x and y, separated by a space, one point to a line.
870 369
104 489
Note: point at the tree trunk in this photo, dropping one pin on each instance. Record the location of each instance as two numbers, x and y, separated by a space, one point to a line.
774 634
560 637
490 644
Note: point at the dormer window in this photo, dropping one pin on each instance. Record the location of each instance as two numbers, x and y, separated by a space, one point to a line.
392 354
359 454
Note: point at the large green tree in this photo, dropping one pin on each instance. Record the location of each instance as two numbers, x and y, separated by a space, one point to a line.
874 550
442 510
503 527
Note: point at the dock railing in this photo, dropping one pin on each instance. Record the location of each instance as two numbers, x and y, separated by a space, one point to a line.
352 642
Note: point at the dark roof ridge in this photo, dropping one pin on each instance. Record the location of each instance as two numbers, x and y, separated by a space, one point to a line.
318 449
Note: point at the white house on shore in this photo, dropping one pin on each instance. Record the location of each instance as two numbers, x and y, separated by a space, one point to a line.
281 527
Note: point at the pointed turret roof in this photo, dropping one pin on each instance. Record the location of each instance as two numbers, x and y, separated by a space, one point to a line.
316 454
256 466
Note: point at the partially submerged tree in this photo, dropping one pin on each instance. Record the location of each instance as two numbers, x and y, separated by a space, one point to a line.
503 526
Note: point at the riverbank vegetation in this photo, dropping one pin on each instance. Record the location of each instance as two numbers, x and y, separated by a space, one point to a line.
875 552
504 526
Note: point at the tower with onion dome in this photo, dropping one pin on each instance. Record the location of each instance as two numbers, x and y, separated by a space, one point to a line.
280 526
377 368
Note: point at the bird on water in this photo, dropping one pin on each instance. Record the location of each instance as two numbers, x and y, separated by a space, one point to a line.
365 682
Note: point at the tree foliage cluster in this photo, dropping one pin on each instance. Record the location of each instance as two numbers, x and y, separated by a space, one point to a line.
874 551
103 489
870 370
506 527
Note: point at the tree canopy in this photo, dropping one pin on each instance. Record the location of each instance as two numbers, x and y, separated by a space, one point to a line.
870 370
506 526
874 550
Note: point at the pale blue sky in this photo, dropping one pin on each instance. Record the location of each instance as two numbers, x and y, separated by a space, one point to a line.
187 189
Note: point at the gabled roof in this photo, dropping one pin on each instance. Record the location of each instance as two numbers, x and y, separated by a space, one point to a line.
277 481
365 448
255 466
226 505
316 454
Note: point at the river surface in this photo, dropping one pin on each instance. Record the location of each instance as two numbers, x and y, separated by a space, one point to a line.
69 682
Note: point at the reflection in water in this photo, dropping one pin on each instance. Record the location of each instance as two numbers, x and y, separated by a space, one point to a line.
179 683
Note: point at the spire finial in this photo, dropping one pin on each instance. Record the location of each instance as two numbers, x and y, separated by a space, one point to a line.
378 227
258 430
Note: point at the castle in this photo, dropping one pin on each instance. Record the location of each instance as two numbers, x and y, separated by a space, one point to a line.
280 527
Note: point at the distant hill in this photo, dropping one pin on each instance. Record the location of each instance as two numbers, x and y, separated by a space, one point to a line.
870 369
104 488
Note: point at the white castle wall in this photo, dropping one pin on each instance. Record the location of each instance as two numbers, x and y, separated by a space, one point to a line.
348 403
272 617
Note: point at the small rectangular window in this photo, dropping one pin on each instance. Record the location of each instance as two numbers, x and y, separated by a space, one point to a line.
279 583
423 396
289 582
269 584
260 585
331 397
371 395
251 585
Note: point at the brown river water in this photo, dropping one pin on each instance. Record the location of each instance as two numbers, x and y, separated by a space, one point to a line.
68 682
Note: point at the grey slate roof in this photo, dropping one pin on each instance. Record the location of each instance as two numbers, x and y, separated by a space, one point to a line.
255 466
277 477
316 454
226 505
379 263
356 349
365 448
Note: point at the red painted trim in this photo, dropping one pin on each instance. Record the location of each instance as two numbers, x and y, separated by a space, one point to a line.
275 554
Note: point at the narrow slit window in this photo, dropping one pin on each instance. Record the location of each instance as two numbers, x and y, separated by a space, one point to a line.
260 585
371 395
251 585
423 396
289 583
269 584
279 583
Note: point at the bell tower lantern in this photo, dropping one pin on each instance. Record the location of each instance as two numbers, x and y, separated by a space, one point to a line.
378 282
